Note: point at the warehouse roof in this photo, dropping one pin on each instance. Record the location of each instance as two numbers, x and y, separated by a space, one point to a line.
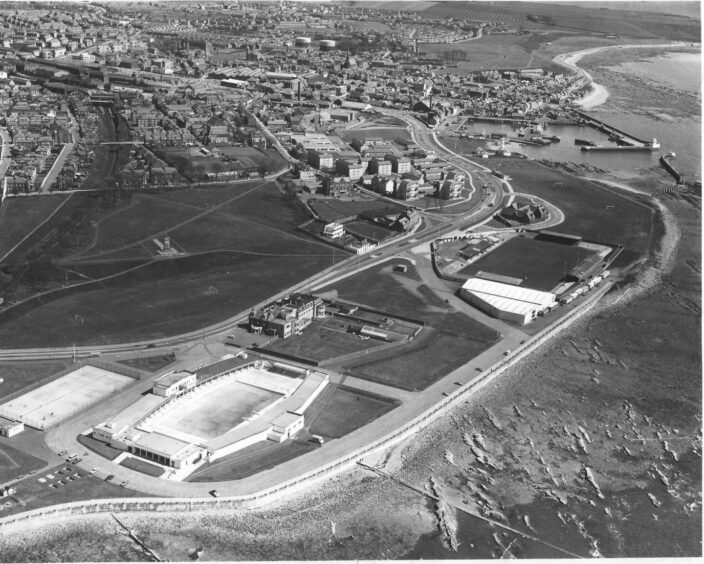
517 293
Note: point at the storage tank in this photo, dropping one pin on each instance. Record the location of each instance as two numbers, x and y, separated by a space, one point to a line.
327 44
302 41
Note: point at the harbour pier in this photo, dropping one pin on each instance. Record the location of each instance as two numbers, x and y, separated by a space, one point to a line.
664 161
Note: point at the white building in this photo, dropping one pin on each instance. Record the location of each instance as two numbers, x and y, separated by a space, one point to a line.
10 428
507 301
173 382
334 230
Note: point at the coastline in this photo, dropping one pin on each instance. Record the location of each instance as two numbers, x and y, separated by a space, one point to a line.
598 94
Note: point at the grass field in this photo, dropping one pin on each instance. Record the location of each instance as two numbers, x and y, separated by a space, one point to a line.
19 216
348 409
593 212
19 375
146 217
206 196
330 209
541 264
323 340
456 339
251 460
142 466
257 229
370 231
162 299
149 363
14 462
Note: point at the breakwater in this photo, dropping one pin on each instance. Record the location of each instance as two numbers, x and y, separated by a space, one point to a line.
671 169
610 129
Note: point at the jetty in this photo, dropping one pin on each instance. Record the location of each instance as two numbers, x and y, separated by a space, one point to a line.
667 165
625 141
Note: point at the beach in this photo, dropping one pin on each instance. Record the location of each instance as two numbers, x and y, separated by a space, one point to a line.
597 93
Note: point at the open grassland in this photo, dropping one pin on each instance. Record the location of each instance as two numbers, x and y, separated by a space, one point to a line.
150 297
14 462
591 211
540 264
20 216
19 375
455 340
146 218
163 298
207 196
627 23
347 409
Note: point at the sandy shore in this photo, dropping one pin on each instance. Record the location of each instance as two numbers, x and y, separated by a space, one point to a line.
597 94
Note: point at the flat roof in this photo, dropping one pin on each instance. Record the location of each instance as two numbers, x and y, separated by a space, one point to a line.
173 378
161 444
133 412
497 291
221 367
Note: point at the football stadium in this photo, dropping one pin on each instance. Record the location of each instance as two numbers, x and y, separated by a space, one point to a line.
187 421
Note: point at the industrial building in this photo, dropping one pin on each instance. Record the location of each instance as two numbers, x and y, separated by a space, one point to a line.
506 300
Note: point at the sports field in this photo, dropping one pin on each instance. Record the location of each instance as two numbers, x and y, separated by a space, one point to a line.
217 411
540 264
64 397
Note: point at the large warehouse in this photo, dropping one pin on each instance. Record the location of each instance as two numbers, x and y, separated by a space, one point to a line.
507 301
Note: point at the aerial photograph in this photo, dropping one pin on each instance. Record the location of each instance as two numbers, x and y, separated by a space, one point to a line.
289 280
